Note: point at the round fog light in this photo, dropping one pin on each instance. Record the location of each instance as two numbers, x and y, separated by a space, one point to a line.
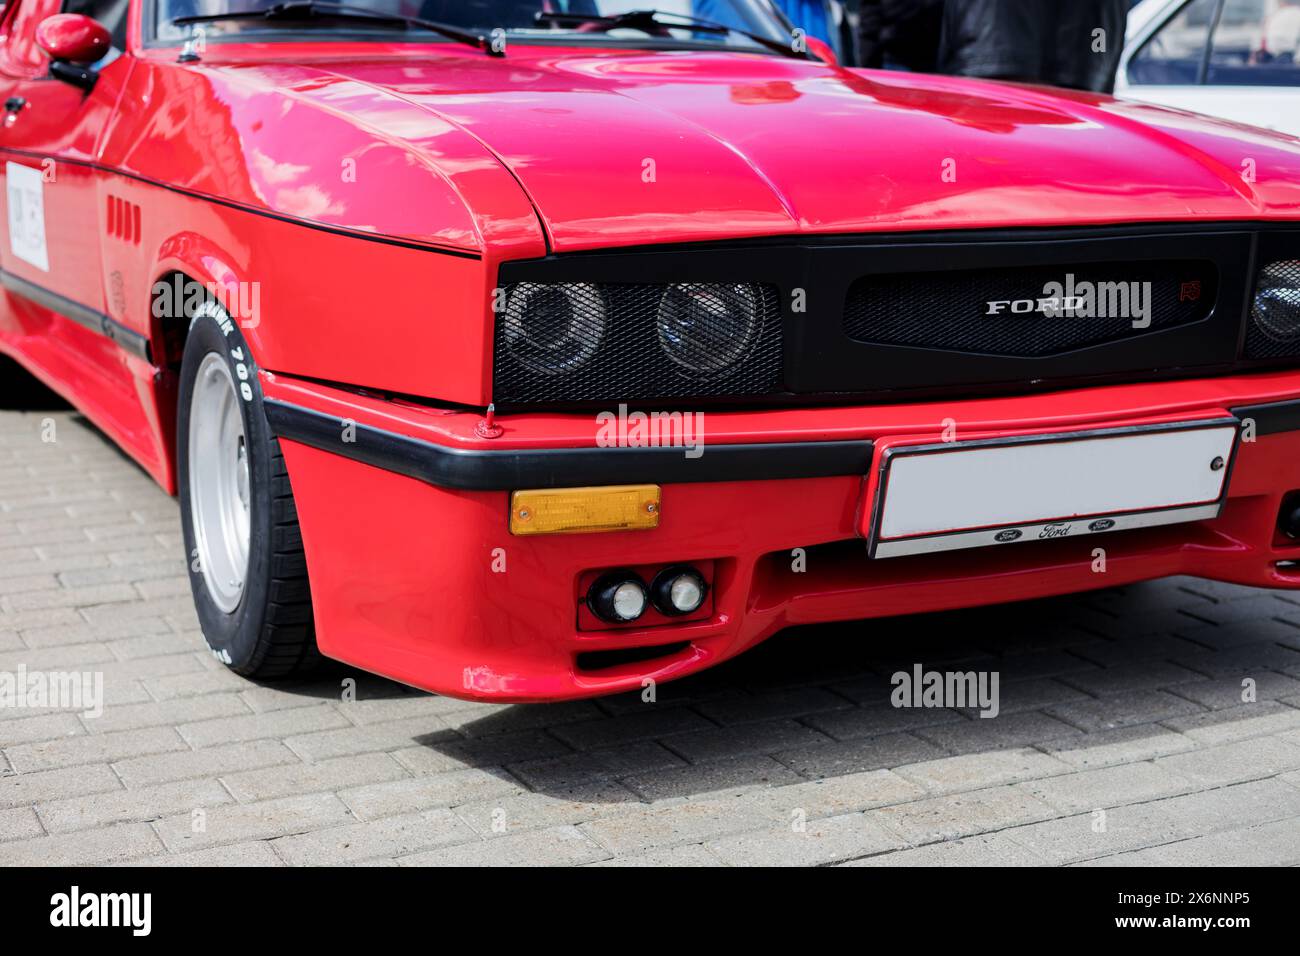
678 590
617 597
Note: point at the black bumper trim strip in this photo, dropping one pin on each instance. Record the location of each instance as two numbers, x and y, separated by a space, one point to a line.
511 469
98 322
1272 418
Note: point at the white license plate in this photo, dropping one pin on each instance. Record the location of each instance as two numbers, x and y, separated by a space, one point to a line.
971 494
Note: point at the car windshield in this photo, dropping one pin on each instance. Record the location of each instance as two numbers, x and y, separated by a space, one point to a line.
522 20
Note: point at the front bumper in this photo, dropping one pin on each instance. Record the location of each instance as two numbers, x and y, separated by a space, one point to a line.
415 575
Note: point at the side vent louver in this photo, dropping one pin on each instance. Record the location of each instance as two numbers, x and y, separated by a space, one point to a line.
123 220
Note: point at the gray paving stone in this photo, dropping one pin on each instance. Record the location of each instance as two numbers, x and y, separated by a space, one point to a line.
126 806
1245 632
766 738
329 775
1235 762
691 821
732 775
1134 650
27 789
39 726
284 723
609 763
1108 787
611 731
405 707
482 720
491 751
192 681
508 814
1246 660
878 719
1244 804
1260 719
18 823
1018 697
994 849
1127 678
93 748
1123 710
233 823
424 793
251 853
1121 745
980 770
81 657
694 855
962 814
1219 693
786 702
165 713
856 756
992 733
818 842
1095 835
85 848
394 735
831 797
161 768
1269 844
555 846
390 837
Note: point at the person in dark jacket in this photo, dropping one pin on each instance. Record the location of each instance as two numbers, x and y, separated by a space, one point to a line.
900 34
1075 44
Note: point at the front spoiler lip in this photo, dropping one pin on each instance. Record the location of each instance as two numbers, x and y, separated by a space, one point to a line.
511 469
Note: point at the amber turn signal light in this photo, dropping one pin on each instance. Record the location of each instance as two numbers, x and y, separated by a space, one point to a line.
576 510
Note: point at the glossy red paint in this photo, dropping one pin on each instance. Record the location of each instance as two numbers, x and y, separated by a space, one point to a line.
371 191
72 37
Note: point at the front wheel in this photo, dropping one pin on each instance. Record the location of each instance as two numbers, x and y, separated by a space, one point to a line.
248 573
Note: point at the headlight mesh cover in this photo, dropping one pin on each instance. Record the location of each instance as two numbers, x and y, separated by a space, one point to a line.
1262 342
630 363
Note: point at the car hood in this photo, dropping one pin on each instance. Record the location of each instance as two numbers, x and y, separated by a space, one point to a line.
619 148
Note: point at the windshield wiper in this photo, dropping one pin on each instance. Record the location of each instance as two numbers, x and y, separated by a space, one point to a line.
650 21
309 9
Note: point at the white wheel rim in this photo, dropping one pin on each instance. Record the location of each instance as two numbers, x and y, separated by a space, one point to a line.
219 482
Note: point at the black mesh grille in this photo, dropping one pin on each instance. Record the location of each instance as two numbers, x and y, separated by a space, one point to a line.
1277 298
574 356
949 310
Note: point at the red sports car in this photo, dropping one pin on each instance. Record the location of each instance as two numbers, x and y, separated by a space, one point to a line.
527 351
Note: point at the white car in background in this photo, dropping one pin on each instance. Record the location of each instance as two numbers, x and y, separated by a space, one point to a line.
1238 59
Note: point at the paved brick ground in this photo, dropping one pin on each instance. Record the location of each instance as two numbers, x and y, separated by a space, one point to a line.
1122 739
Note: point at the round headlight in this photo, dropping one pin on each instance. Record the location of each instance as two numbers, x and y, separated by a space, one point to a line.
1277 301
554 328
709 327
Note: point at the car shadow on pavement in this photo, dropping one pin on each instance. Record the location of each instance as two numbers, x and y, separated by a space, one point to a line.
1083 682
20 391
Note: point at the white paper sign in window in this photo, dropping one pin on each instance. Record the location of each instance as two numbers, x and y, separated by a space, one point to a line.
27 214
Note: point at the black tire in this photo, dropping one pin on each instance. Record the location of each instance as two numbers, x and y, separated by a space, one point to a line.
270 633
